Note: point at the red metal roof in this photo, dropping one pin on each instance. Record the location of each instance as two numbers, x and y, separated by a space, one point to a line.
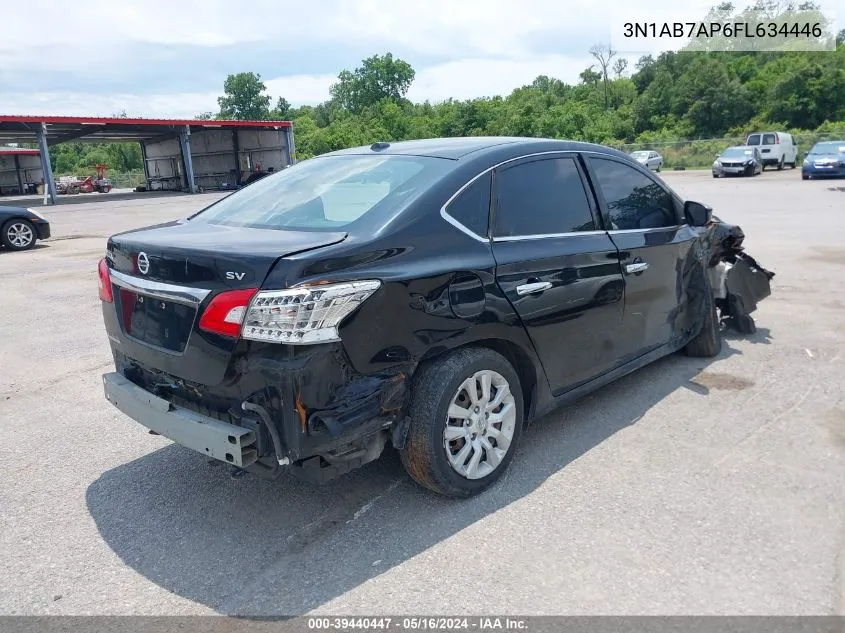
20 151
5 118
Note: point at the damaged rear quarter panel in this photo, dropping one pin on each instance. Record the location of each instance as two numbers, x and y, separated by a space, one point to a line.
432 300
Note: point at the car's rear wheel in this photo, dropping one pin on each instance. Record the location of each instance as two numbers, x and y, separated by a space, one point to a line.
780 164
466 420
18 235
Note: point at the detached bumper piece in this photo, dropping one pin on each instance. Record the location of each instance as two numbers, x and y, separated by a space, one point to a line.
744 282
226 442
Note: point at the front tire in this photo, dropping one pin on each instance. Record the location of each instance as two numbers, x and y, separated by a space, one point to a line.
466 421
708 342
18 235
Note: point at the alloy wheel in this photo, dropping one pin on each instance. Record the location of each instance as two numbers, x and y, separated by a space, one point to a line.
20 235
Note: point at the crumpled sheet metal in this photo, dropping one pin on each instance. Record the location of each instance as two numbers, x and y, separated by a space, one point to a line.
738 281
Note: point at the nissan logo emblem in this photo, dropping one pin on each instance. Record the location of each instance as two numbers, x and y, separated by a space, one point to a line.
143 263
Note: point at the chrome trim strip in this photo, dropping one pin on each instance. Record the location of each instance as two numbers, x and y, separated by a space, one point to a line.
460 226
674 227
519 238
160 290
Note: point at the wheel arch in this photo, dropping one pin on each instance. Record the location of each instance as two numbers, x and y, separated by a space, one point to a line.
526 370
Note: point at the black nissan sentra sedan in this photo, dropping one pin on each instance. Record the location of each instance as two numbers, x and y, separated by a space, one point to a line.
432 295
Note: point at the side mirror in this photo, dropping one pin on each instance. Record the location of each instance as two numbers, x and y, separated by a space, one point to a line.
807 153
696 213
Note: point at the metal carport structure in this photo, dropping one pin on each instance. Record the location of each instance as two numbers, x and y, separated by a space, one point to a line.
225 148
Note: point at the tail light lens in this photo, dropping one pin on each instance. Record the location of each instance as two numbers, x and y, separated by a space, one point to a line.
225 314
105 282
303 316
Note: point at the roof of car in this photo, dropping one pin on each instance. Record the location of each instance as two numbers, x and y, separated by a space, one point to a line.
457 147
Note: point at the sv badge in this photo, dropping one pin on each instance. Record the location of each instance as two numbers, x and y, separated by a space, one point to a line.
237 276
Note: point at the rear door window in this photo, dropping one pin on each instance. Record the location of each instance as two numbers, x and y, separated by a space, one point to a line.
543 197
754 139
769 139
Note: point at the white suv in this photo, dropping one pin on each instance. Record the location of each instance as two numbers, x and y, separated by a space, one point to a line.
776 148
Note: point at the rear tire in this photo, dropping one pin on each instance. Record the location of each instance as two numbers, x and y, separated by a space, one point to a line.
708 342
449 460
780 164
18 235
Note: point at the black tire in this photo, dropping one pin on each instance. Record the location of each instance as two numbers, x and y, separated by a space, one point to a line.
804 177
13 242
708 342
435 386
780 164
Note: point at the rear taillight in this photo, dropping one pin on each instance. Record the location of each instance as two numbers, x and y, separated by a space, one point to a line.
304 315
105 282
226 311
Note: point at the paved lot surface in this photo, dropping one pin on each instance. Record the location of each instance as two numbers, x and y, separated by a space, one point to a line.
693 486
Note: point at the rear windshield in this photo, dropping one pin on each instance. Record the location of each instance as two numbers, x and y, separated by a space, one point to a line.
326 193
737 152
639 154
754 139
829 147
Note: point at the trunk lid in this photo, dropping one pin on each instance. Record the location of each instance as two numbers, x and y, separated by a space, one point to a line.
199 254
164 276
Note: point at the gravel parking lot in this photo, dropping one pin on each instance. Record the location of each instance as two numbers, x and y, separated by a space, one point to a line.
694 486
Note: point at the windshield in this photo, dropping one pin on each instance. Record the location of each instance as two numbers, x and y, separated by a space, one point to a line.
829 147
737 152
639 154
326 193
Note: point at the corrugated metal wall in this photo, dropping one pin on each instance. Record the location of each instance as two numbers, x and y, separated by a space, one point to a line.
213 157
30 171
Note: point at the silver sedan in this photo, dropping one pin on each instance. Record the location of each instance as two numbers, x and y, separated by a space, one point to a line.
648 158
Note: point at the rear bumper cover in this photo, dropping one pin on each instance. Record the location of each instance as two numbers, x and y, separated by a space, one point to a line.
228 443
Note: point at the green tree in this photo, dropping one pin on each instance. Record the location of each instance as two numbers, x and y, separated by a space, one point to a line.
281 111
379 77
244 98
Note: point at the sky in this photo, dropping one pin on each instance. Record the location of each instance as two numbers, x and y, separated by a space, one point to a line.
169 58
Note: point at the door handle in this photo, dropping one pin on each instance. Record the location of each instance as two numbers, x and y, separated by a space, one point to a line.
527 289
636 267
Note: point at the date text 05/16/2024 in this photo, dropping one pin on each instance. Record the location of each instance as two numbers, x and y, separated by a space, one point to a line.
418 624
745 30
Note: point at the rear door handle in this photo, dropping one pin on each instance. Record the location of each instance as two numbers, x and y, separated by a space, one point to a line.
636 267
527 289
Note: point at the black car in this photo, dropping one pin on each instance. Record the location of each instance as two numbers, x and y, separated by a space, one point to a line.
434 295
20 228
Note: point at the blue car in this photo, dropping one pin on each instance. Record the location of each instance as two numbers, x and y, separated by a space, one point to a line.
826 158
